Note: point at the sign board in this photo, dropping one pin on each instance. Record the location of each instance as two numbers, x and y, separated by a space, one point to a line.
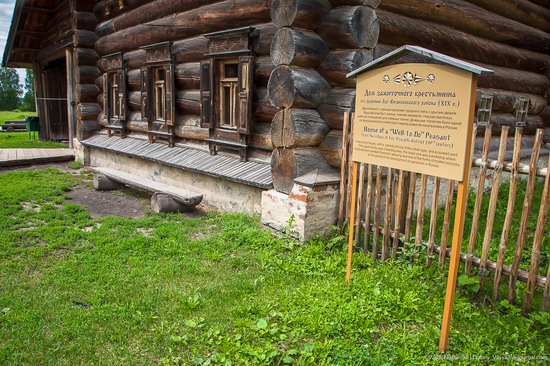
413 117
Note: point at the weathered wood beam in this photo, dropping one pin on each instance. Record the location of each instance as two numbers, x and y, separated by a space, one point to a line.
473 20
335 104
297 48
504 101
227 14
298 128
397 30
295 87
331 148
305 14
263 110
350 27
337 64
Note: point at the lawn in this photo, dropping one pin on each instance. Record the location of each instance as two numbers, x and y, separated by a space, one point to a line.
14 115
21 140
220 290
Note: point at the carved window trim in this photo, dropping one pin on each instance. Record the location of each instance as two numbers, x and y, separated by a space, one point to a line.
115 94
231 47
158 92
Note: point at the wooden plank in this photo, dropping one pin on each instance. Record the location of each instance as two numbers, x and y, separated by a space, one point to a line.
479 197
368 207
497 178
352 217
410 208
387 215
399 205
525 215
358 210
343 169
376 224
446 221
505 236
420 212
537 244
433 222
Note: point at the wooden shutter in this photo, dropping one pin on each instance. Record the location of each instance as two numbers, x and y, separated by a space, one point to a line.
245 85
207 79
106 94
121 76
144 92
169 94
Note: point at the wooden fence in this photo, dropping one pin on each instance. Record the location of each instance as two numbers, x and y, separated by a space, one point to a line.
391 201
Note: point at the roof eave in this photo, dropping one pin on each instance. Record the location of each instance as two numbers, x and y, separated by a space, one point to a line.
395 54
13 30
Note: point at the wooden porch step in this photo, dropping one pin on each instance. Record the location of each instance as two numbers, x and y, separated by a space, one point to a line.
184 197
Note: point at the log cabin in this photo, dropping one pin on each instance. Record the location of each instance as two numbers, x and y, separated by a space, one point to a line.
243 100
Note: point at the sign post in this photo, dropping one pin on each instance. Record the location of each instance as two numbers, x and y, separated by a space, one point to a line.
418 117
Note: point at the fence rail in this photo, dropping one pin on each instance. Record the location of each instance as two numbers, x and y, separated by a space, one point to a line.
405 213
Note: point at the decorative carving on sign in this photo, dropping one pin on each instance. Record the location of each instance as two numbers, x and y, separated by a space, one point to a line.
158 53
408 79
113 62
230 44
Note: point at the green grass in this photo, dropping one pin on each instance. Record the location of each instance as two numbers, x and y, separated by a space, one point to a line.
21 140
14 115
218 290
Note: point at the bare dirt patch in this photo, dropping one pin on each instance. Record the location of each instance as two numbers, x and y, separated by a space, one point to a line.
103 203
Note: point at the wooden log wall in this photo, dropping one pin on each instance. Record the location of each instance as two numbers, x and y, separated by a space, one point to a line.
184 22
85 58
317 43
510 37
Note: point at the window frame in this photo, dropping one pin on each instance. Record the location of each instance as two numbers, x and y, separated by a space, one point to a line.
115 94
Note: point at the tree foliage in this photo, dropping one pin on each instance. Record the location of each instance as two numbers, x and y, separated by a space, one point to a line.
27 103
10 90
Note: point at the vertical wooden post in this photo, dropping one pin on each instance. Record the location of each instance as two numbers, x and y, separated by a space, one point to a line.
70 95
351 219
343 167
458 229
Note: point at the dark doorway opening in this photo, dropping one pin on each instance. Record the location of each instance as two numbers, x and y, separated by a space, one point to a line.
56 121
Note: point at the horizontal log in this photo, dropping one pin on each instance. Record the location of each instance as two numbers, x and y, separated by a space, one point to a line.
295 87
86 93
190 50
336 103
297 48
188 102
263 67
135 123
134 59
133 80
84 38
523 11
499 120
134 101
188 75
504 101
227 14
472 19
298 13
150 11
503 78
84 20
263 110
545 115
298 128
331 148
287 164
87 111
261 37
86 74
87 128
397 30
337 64
261 136
371 3
188 127
85 57
101 13
350 27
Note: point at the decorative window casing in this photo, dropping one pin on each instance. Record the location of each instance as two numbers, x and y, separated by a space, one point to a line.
226 90
157 92
114 94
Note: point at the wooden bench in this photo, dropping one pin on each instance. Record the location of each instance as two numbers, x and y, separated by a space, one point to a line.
165 198
14 126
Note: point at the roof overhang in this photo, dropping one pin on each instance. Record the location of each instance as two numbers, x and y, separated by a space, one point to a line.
432 56
13 29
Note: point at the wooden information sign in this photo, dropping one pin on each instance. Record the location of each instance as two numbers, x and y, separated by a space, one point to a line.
413 117
419 118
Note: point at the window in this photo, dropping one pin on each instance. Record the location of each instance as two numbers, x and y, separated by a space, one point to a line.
114 94
157 85
226 86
